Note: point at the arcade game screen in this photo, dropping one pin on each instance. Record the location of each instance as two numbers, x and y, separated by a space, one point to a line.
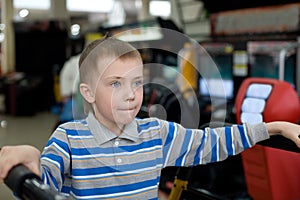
264 60
215 71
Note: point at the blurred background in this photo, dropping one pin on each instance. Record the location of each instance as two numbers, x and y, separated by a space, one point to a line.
238 39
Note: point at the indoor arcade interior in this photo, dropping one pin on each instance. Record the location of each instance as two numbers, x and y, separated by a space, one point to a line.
207 64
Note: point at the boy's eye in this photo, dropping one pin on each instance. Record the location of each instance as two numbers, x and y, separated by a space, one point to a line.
138 83
116 84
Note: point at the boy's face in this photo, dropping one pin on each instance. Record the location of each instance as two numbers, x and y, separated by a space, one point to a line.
119 92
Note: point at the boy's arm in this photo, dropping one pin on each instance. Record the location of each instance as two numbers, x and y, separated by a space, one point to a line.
11 156
211 145
286 129
55 160
189 147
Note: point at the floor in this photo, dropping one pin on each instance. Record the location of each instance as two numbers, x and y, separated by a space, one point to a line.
34 130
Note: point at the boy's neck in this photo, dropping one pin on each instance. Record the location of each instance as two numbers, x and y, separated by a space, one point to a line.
118 130
113 127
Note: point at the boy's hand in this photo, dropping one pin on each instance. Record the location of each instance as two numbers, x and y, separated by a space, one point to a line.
286 129
11 156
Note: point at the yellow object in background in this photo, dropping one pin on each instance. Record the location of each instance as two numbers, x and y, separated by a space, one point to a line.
56 88
187 78
90 37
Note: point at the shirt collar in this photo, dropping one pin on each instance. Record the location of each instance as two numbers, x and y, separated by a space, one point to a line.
103 135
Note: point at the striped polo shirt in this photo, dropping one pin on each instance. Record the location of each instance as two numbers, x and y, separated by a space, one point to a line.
85 160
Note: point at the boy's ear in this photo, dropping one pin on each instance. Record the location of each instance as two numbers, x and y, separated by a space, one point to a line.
86 92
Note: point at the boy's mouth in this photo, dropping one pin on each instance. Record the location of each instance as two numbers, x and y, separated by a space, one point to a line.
128 109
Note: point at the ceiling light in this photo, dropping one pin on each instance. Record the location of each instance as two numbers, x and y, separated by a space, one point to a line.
23 13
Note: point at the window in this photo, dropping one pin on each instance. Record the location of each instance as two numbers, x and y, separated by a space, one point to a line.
160 8
33 4
90 5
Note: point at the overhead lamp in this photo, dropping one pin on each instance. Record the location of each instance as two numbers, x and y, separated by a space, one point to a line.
160 8
104 6
75 29
23 13
32 4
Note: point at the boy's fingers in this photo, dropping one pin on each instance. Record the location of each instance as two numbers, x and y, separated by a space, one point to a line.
297 140
8 161
295 136
34 168
4 171
11 156
5 166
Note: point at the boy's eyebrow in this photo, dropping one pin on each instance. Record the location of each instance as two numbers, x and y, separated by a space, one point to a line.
114 77
138 77
120 77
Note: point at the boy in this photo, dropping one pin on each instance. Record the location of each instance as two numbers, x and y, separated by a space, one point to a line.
111 154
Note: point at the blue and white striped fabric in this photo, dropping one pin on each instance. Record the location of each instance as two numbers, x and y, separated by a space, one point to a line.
84 160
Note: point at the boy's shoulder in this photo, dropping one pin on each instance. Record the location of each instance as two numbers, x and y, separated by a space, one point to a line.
147 120
74 125
151 121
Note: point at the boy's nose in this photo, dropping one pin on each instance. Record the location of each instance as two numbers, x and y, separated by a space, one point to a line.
129 93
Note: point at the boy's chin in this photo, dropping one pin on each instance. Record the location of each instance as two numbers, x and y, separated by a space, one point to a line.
125 121
125 118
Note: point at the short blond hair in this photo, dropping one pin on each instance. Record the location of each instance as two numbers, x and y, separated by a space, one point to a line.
98 55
